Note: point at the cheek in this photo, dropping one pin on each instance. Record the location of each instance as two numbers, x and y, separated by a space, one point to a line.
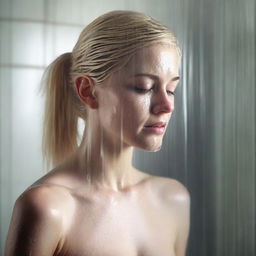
127 110
108 108
135 110
135 104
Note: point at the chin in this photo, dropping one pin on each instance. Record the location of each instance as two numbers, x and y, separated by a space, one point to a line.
151 147
149 143
154 150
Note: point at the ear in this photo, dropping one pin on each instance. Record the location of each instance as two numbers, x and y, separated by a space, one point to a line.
85 90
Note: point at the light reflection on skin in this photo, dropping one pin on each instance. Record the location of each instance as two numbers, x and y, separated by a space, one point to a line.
55 212
180 197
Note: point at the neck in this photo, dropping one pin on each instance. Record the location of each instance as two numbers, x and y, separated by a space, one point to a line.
105 162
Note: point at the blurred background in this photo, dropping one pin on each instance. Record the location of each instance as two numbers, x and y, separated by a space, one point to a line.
210 144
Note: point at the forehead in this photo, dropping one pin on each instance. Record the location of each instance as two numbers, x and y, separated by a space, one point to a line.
159 59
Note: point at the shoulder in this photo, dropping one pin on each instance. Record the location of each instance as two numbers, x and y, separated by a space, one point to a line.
176 198
45 201
171 190
38 222
173 195
40 196
44 204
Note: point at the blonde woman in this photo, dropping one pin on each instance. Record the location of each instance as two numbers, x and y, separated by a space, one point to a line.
120 78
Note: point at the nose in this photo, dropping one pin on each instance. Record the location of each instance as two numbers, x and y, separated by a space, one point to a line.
163 103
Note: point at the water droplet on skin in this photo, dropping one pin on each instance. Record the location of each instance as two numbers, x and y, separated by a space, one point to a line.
154 150
121 132
55 212
158 149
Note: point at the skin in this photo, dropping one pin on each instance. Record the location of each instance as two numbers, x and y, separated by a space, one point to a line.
121 210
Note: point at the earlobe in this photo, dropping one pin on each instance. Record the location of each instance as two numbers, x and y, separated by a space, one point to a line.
85 90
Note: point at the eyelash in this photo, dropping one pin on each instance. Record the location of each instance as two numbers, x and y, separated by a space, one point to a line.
139 90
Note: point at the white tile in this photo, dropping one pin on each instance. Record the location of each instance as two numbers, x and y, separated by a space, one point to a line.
27 43
5 42
28 9
5 134
60 39
5 113
64 11
5 153
139 6
5 8
26 133
66 38
93 9
157 9
81 12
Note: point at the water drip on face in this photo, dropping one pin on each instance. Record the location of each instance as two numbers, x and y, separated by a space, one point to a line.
121 131
158 149
102 156
88 155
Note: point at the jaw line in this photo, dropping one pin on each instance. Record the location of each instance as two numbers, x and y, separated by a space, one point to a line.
154 150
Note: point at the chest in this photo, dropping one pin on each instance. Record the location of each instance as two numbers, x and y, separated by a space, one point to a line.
114 228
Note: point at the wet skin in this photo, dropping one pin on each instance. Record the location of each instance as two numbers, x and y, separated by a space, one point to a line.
140 94
125 211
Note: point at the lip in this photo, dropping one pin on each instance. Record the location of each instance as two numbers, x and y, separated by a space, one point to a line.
155 129
157 124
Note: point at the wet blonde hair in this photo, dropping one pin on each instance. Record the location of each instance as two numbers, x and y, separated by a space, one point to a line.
104 46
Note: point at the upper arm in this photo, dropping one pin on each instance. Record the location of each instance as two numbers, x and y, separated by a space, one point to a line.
36 225
182 209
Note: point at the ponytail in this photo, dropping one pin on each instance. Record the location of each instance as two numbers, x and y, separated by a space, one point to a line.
60 118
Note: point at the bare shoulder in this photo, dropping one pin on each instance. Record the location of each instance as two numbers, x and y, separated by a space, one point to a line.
38 222
44 198
176 198
171 191
45 203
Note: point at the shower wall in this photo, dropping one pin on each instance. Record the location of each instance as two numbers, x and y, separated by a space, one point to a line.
210 143
210 146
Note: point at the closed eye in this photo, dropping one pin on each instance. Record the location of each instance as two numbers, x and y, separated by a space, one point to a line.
142 91
171 92
139 90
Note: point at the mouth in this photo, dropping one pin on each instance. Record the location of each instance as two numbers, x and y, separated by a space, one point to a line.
158 124
157 128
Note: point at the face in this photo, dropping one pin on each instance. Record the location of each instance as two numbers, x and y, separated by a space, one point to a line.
136 102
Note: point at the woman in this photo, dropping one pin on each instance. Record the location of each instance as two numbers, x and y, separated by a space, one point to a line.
120 78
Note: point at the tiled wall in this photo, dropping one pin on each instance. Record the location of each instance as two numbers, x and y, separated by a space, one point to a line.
32 34
31 37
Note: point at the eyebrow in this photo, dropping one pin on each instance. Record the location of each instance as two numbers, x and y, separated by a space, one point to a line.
154 77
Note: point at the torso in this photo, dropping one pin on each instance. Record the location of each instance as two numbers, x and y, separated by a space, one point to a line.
136 222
